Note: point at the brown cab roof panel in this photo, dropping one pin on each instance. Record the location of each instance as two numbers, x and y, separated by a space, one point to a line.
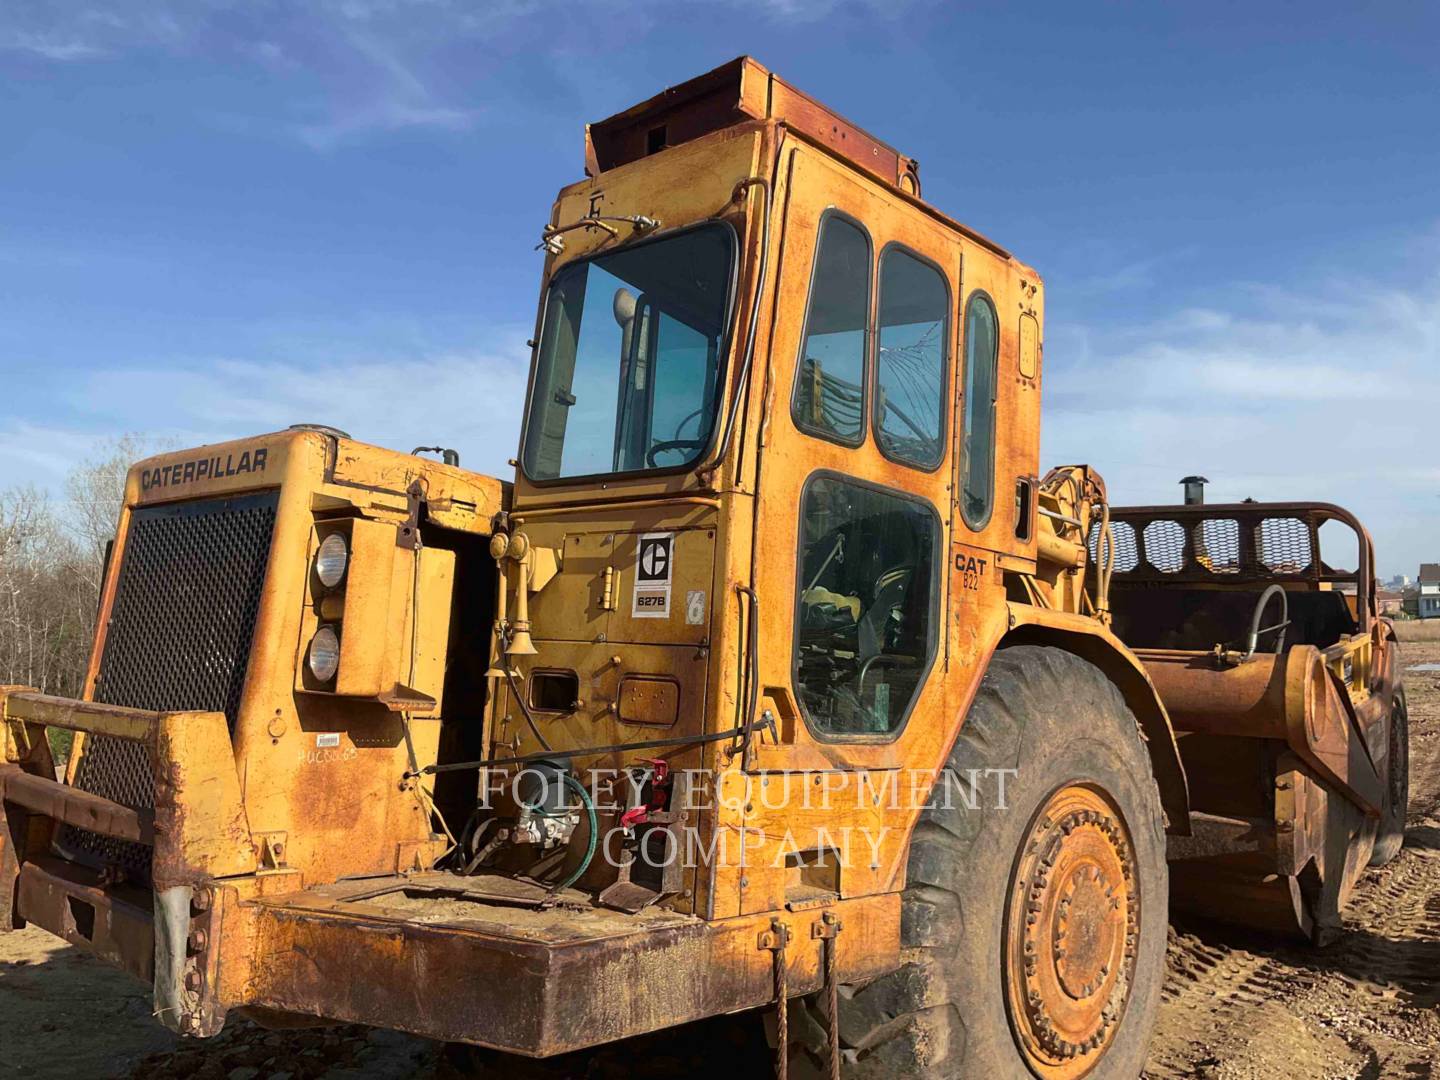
734 93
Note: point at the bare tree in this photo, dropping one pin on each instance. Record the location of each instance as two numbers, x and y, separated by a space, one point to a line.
52 561
94 491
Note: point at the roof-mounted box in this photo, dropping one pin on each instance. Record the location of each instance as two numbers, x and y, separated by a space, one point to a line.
734 93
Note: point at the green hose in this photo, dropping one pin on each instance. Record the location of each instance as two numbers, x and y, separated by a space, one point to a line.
589 804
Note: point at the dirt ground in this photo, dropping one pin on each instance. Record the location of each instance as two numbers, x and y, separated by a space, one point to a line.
1236 1007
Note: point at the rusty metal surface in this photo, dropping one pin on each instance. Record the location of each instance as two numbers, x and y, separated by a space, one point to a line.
1291 698
202 830
198 825
74 807
72 903
1246 699
1286 752
1324 732
1180 554
1070 947
71 715
742 89
533 982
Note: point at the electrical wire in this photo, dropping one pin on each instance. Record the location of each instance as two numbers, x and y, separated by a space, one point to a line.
616 748
742 380
425 798
520 701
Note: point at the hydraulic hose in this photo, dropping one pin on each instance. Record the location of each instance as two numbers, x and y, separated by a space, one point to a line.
590 815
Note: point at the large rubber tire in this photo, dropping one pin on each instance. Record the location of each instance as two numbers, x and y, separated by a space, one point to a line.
1391 836
1057 721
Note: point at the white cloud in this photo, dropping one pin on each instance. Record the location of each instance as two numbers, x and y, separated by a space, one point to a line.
369 58
41 454
468 401
50 48
471 402
1286 396
374 67
345 125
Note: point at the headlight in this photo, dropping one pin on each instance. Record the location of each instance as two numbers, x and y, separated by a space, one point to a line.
324 654
330 560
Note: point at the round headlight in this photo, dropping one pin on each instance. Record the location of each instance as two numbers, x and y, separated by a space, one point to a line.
324 654
330 560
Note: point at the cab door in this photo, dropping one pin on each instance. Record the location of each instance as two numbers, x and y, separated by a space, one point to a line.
852 537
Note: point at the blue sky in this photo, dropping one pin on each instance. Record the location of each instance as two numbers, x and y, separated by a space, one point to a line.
221 217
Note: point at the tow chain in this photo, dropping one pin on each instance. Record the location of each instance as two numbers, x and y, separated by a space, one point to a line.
775 939
827 930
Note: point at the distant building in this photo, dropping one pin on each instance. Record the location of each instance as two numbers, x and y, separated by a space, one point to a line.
1428 606
1389 603
1400 582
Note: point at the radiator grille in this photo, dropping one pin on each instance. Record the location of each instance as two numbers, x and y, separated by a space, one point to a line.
179 637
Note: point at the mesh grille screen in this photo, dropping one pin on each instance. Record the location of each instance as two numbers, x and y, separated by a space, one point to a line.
178 639
1217 545
1165 546
1284 545
1201 544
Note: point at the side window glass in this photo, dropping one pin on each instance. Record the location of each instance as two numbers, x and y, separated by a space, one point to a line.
977 494
829 396
910 372
866 607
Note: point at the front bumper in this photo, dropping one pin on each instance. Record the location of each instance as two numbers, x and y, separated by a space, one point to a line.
198 831
462 959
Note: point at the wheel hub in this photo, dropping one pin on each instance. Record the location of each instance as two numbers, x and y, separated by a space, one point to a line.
1071 933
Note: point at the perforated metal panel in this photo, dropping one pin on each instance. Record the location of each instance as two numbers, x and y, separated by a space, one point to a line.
1165 546
1238 543
1285 545
178 638
1217 545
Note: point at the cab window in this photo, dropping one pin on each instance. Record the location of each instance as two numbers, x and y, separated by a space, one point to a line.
628 369
866 618
977 494
829 399
910 368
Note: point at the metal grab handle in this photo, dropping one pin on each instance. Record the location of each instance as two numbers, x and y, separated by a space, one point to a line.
1254 639
896 659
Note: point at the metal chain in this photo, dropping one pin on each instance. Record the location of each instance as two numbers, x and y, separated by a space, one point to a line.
782 1018
827 930
832 1008
775 939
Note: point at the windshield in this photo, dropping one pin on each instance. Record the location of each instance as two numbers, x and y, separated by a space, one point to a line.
629 365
